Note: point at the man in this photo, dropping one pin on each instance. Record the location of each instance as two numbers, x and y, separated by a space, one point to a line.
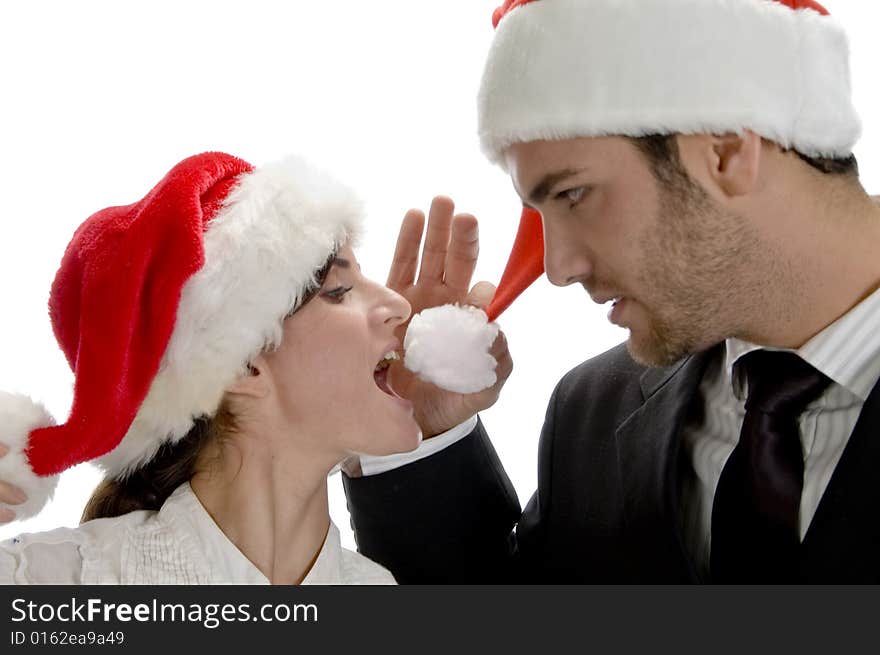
692 163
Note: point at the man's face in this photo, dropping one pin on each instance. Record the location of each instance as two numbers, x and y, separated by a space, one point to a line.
661 251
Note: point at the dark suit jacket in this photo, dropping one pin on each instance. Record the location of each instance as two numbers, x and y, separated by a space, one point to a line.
607 506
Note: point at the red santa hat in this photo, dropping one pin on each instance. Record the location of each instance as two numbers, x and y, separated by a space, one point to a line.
560 69
159 305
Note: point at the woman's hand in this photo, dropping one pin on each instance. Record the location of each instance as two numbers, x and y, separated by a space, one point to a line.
9 494
444 276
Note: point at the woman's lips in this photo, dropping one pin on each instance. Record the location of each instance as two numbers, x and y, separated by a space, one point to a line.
381 377
384 384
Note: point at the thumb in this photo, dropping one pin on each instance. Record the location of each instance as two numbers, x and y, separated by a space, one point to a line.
481 295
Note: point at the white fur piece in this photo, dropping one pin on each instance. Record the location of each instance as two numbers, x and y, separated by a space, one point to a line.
19 416
449 346
262 250
561 69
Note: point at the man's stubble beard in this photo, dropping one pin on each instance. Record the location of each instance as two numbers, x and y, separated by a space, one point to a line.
698 276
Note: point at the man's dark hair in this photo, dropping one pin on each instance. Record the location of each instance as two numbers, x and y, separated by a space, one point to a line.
661 151
847 166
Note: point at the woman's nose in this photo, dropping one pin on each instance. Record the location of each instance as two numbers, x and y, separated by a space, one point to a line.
396 308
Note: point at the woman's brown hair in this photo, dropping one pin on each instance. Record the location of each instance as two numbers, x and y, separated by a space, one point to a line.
149 486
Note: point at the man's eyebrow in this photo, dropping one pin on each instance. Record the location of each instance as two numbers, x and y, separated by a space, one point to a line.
541 190
340 262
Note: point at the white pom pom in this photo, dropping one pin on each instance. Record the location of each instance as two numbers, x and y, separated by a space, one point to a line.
19 415
449 346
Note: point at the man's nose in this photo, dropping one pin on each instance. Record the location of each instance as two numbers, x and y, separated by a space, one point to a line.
565 259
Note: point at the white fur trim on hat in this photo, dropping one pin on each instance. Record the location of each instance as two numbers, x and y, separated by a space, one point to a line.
449 346
561 69
19 416
277 229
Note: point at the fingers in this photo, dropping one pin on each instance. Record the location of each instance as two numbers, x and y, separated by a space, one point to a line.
11 495
501 353
481 295
503 368
402 273
437 239
461 256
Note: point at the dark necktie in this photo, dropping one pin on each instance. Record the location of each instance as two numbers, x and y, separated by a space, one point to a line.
755 530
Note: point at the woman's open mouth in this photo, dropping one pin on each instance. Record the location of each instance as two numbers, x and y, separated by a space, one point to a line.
380 376
380 373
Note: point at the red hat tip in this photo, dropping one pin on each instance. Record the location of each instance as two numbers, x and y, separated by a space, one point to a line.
524 266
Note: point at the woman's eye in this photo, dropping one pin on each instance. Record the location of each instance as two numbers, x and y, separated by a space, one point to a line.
337 294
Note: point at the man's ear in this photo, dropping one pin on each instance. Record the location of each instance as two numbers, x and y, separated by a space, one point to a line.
729 162
255 383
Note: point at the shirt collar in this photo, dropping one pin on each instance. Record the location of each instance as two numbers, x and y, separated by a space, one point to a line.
847 351
225 561
223 558
327 568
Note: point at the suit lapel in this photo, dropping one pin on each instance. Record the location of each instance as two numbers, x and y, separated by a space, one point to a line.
843 541
649 448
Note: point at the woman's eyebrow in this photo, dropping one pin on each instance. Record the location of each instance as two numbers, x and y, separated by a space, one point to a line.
342 263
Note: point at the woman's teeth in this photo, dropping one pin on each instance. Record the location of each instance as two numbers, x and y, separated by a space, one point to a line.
386 360
380 374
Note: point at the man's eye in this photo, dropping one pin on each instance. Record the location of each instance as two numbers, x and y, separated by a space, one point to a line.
574 195
337 294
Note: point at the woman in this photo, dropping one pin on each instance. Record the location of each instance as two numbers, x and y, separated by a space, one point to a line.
227 355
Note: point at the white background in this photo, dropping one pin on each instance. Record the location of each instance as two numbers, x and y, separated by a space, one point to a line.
100 99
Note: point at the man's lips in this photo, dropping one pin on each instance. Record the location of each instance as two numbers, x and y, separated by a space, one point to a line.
601 299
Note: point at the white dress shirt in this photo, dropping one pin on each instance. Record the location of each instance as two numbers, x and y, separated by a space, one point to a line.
179 544
847 351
